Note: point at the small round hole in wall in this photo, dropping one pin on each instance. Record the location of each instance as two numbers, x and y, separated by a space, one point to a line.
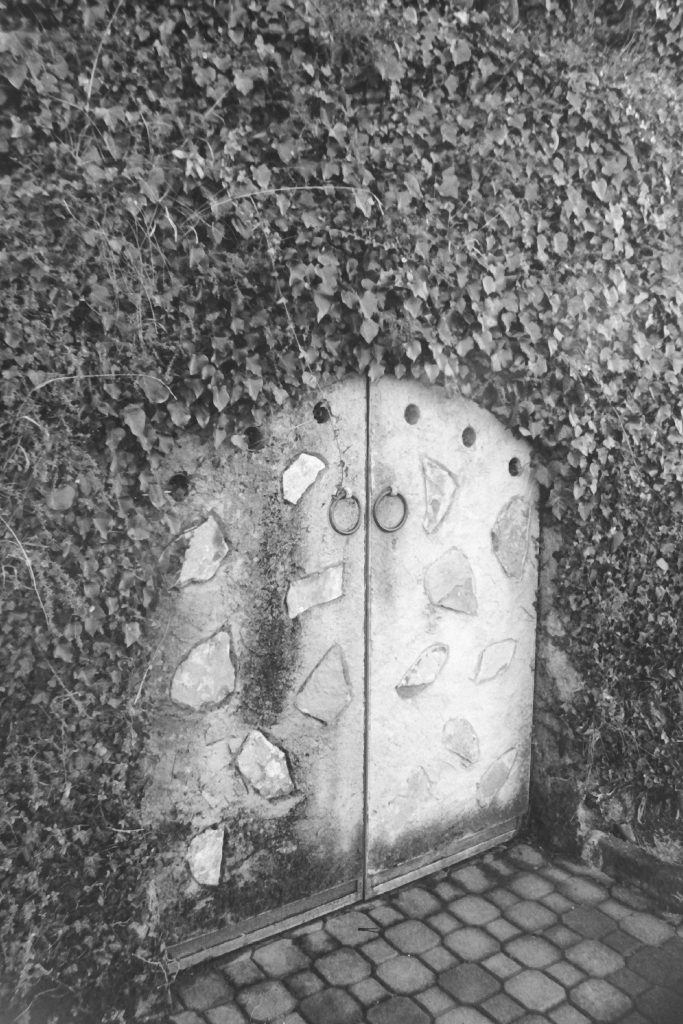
321 412
469 436
514 467
256 438
411 414
178 486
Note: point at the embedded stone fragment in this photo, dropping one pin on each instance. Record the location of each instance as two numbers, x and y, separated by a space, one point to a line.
510 536
494 660
326 691
317 588
300 475
440 488
264 766
495 776
206 551
449 582
205 856
424 672
459 737
206 676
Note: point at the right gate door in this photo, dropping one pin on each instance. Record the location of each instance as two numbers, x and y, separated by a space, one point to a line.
450 633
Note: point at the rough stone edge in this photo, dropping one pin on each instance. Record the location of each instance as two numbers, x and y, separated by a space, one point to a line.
631 865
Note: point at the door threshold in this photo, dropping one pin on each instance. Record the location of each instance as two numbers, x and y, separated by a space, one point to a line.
428 864
210 945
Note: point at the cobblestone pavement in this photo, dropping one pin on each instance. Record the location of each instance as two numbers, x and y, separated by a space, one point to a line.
509 936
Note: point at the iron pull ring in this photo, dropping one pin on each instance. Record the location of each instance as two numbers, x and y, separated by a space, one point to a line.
343 495
389 492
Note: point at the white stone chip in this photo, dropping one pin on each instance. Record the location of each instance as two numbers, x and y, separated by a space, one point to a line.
318 588
205 855
264 766
440 488
495 660
300 475
206 676
206 551
326 691
495 777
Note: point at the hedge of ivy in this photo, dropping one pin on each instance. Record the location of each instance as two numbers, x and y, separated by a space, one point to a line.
209 207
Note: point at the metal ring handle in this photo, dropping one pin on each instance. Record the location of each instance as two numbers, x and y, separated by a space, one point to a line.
342 495
389 492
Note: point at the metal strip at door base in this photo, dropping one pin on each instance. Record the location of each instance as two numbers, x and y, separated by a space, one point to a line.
263 926
427 864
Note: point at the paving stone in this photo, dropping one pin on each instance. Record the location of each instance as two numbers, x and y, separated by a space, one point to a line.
554 873
499 865
634 1018
469 983
566 1014
417 902
522 853
443 922
562 936
474 910
316 943
446 891
202 989
411 937
502 929
242 971
304 984
532 1018
331 1006
582 890
647 928
557 902
378 951
266 1000
187 1017
404 975
464 1015
577 867
395 1010
628 981
438 959
280 958
533 951
661 1005
368 992
293 1018
351 928
613 908
472 879
434 1000
311 926
502 1008
531 887
502 898
343 967
595 958
386 915
599 1000
502 966
566 974
472 944
650 963
630 897
531 916
534 990
225 1015
621 942
589 922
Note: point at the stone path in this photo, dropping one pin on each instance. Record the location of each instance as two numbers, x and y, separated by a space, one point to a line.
511 936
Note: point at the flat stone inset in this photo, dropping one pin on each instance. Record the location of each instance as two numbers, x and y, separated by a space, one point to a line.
424 671
449 582
206 551
314 589
326 692
300 475
495 777
495 659
205 855
459 737
510 536
264 766
440 488
206 676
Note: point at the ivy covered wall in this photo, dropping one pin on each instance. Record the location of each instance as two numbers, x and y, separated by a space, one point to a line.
209 208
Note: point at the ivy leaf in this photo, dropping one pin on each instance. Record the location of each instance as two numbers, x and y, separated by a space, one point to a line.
323 304
155 390
60 499
368 304
363 201
131 633
369 330
135 419
413 305
560 242
461 52
600 189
